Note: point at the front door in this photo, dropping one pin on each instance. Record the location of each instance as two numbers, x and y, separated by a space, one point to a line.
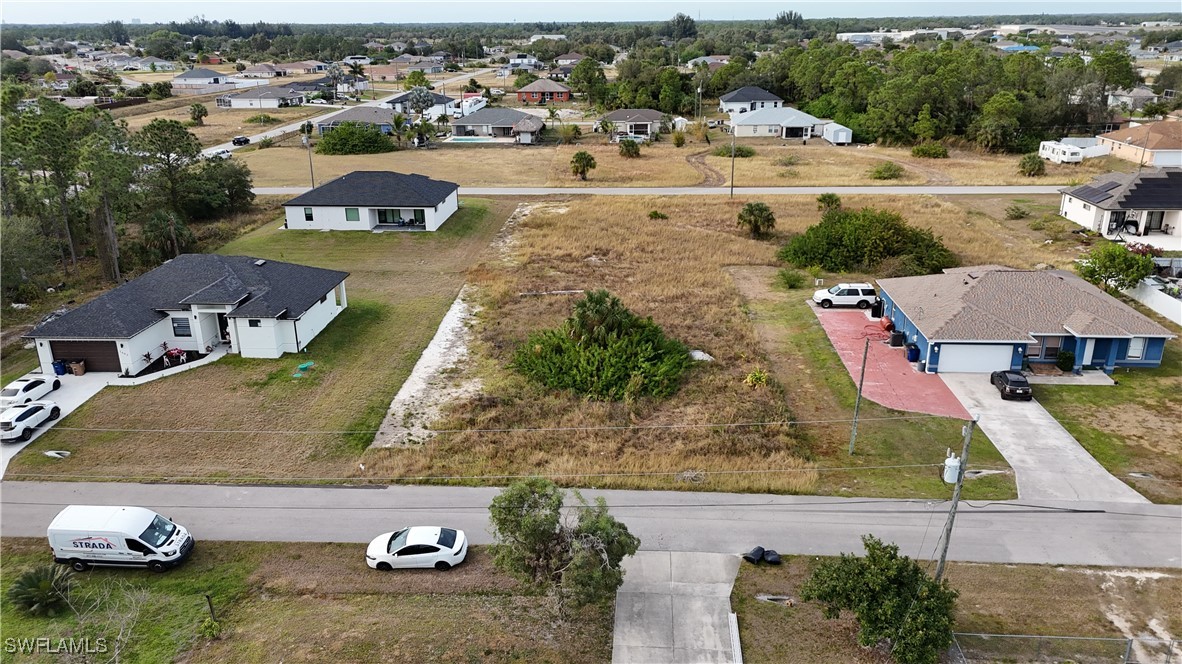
420 218
223 329
1089 350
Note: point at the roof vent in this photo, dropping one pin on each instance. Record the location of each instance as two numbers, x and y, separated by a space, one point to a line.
260 262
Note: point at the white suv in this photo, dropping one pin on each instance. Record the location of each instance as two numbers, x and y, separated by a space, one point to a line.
851 295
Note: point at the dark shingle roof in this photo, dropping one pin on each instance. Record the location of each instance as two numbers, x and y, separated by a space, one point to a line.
271 290
493 117
749 93
439 99
364 114
377 189
201 72
634 115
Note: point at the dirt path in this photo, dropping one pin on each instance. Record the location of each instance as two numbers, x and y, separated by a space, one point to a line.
933 175
710 176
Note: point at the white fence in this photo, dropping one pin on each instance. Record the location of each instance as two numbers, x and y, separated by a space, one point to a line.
1169 307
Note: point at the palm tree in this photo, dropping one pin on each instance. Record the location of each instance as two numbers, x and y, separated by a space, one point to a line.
357 70
607 128
399 126
197 112
334 75
581 164
553 112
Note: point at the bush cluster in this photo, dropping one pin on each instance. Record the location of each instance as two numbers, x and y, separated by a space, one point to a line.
605 352
629 149
861 240
740 151
1016 211
887 170
790 278
354 138
262 118
1031 165
930 150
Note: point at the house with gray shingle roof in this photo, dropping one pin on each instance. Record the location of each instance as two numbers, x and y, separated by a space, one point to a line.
382 118
443 105
984 319
195 302
500 123
374 201
748 98
635 121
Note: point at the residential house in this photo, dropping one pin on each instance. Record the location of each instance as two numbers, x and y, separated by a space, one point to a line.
1145 206
776 122
1006 46
524 61
347 85
152 63
749 98
569 59
199 77
263 97
984 319
440 56
407 59
382 118
543 90
708 60
635 121
194 302
535 38
300 67
1133 99
374 46
262 70
398 45
500 122
561 73
443 105
1153 144
356 60
374 200
426 67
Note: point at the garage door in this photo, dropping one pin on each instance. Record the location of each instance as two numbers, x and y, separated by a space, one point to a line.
99 355
973 358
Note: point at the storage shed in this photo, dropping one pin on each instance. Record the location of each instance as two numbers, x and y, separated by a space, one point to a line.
837 134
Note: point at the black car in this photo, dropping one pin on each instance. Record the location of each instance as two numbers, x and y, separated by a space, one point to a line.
240 140
1011 384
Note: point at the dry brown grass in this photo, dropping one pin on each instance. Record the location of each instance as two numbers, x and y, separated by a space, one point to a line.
995 599
222 124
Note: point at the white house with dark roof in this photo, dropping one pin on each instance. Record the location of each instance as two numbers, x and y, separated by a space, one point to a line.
500 122
776 122
746 99
374 201
443 105
1144 207
262 97
989 318
194 302
635 121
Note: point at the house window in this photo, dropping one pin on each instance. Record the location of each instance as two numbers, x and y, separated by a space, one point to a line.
254 322
323 298
180 327
307 214
1034 349
351 214
1136 348
1051 347
1087 207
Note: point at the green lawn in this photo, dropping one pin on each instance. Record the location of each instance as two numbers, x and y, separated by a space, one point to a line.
316 602
17 363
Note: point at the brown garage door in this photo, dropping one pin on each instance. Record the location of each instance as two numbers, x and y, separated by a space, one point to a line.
99 355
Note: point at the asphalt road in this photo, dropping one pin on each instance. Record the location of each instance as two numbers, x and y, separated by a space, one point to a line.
986 190
1075 533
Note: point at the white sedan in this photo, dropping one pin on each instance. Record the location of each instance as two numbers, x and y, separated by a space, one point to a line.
24 390
221 154
417 547
19 422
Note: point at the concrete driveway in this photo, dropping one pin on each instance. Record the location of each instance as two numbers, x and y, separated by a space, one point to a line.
75 391
1048 463
675 607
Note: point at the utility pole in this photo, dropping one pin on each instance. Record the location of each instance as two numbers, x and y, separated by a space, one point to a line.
308 148
732 160
858 400
964 459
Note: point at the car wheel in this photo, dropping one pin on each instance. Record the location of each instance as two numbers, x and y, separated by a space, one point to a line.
156 566
442 566
825 304
26 435
55 413
57 384
863 304
385 567
79 565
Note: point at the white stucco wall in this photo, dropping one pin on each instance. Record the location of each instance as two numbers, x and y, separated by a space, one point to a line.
772 130
332 218
443 211
1077 210
254 103
735 106
272 338
261 341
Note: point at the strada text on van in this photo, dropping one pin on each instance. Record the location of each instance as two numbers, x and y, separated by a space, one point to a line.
86 535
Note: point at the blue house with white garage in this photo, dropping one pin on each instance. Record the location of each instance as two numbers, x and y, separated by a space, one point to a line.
992 318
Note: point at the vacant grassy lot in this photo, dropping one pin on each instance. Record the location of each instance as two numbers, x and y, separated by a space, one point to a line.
222 124
820 164
318 602
994 599
400 286
676 271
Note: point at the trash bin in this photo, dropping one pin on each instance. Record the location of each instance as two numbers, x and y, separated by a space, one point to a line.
897 338
59 367
912 353
876 309
923 367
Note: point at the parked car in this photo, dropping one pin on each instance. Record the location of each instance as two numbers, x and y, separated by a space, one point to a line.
240 140
417 547
713 124
1012 385
847 295
19 422
496 91
221 154
317 101
24 390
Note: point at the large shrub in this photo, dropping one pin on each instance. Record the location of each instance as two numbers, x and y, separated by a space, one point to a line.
354 138
629 149
605 352
1031 165
740 151
887 170
930 150
43 590
849 240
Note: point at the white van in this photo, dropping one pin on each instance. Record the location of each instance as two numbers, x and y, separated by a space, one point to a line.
86 535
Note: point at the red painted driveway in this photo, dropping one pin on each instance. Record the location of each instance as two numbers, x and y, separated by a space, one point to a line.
890 378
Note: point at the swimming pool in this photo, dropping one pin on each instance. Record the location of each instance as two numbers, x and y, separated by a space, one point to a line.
471 139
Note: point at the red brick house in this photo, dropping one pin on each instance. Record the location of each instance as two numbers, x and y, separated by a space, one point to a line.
543 90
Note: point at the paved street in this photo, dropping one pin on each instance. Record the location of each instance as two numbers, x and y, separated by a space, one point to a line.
1048 463
1075 533
983 190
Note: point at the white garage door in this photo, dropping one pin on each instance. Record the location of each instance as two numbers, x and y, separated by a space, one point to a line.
973 358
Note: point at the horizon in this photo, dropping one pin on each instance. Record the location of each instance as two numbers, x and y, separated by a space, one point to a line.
305 12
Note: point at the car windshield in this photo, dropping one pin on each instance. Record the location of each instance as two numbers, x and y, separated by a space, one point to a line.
835 289
158 532
1016 379
9 392
397 540
447 538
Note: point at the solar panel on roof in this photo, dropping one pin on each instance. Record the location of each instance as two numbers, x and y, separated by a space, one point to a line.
1091 194
1108 186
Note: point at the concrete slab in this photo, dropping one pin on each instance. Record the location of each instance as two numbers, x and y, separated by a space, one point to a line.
890 379
1048 463
674 607
75 391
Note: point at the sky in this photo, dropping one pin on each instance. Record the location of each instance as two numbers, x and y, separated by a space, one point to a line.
503 11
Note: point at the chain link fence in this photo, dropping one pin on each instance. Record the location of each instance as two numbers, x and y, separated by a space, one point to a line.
1021 648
